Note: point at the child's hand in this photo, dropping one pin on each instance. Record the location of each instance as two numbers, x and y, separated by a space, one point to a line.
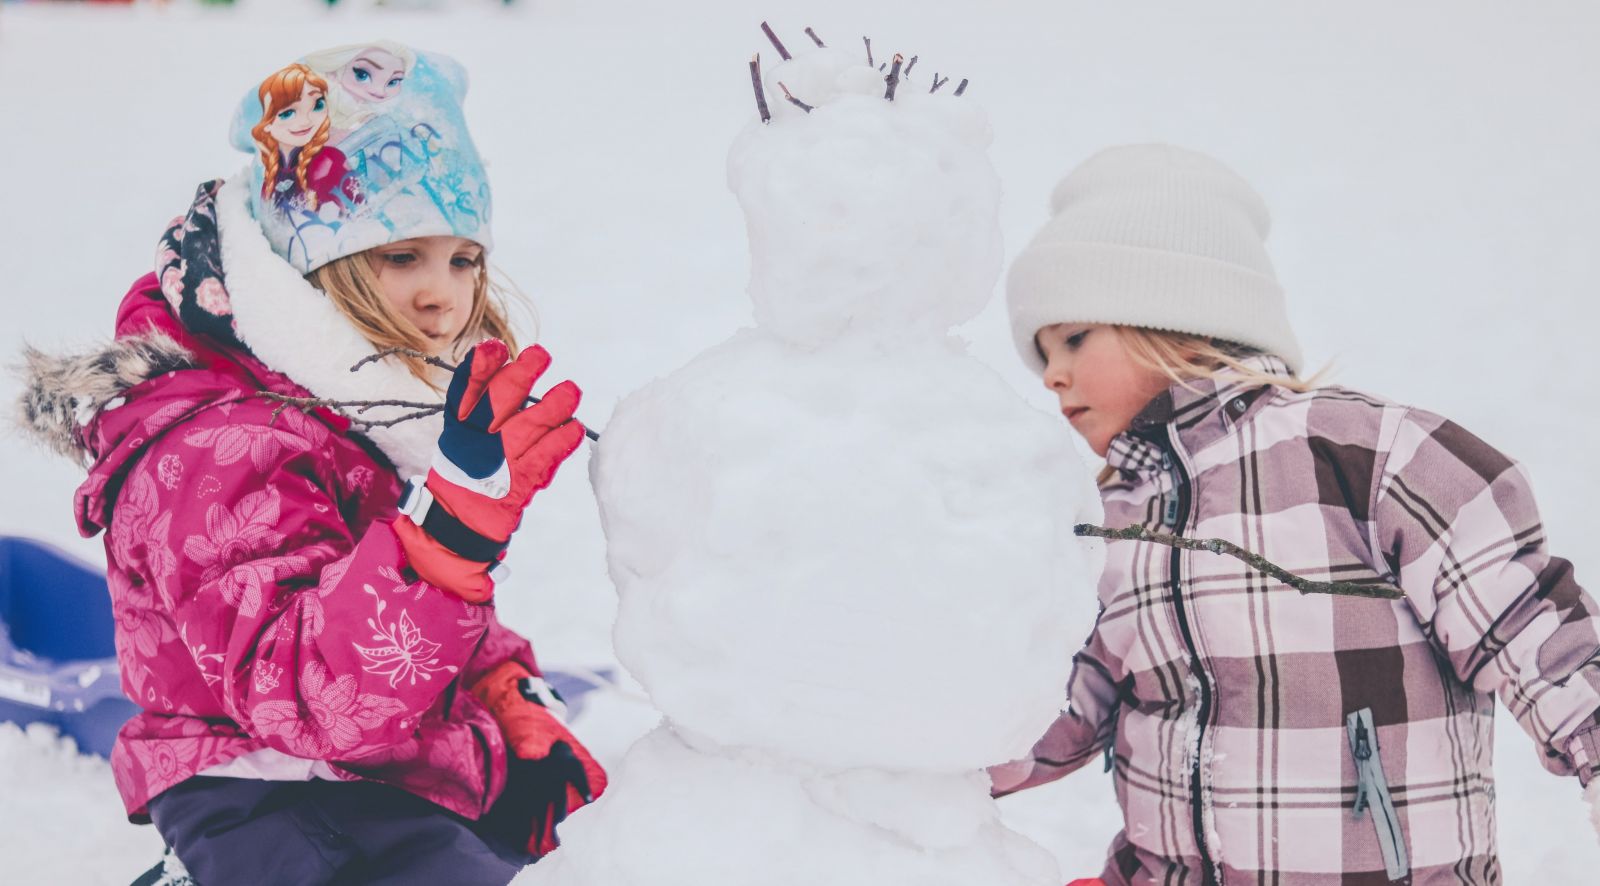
550 772
495 453
1006 777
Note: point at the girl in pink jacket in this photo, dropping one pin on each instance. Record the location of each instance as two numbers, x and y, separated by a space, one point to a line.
304 593
1257 734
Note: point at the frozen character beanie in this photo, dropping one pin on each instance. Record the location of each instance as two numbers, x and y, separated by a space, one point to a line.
359 146
1153 236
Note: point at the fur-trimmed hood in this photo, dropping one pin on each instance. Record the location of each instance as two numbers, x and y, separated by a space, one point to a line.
61 394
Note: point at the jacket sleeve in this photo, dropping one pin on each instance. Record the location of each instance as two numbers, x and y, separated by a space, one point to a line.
1086 725
1455 521
309 637
500 645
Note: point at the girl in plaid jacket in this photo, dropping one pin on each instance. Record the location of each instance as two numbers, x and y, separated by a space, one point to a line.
1258 734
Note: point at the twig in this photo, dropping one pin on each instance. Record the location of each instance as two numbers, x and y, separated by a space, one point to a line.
761 94
792 100
937 83
962 87
357 405
404 352
882 65
909 65
868 41
1219 546
814 38
422 410
778 44
894 77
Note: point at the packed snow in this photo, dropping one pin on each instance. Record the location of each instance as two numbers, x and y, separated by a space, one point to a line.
843 547
1433 226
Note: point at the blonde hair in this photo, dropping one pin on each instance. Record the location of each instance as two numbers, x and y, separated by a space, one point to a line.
351 283
281 89
1183 358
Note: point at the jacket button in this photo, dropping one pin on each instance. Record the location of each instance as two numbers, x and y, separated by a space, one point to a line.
1238 406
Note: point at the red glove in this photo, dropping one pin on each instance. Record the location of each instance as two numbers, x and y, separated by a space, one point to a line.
550 772
1092 881
496 451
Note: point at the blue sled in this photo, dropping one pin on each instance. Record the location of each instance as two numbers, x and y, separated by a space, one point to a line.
58 661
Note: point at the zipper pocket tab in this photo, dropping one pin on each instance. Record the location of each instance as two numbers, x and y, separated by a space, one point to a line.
1372 792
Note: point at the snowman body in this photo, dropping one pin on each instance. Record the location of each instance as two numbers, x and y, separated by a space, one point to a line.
843 546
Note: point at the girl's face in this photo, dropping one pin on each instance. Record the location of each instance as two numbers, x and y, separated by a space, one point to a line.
1100 386
294 125
430 281
373 76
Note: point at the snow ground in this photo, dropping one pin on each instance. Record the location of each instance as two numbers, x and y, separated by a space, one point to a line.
1429 165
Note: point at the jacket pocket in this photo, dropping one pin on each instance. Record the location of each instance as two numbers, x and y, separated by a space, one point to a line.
1372 792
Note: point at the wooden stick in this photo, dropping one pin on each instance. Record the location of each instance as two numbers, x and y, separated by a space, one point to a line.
868 41
778 44
792 100
894 77
814 38
909 65
1219 546
937 83
761 94
963 87
422 409
404 352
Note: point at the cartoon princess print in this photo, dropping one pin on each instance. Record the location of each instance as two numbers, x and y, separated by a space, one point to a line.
361 76
301 168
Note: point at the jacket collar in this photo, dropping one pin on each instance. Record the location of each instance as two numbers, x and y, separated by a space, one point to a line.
292 327
1195 413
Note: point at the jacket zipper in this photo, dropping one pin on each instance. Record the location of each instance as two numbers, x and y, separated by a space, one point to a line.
1176 516
1372 790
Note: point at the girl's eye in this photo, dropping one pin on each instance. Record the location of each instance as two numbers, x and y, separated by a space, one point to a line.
1076 339
395 82
464 261
362 75
321 103
399 258
286 113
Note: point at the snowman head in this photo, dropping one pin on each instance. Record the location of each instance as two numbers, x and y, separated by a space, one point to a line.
868 217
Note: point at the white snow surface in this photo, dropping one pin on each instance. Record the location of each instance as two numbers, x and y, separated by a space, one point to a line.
681 816
1433 226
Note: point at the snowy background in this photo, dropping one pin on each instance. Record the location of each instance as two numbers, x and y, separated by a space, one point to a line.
1431 170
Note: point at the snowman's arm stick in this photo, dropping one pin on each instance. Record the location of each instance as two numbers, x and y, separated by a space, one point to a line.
1219 546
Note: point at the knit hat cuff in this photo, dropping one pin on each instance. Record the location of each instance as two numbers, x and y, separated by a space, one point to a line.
1151 288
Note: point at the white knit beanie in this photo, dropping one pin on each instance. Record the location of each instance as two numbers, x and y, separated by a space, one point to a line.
1153 236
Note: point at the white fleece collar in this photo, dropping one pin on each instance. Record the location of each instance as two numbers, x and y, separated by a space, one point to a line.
293 328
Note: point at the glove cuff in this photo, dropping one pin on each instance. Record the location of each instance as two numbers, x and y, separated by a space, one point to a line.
434 517
442 567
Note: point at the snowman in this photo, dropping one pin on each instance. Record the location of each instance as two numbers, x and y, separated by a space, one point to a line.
843 547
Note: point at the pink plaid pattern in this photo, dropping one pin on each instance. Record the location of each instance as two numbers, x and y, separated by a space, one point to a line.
1224 694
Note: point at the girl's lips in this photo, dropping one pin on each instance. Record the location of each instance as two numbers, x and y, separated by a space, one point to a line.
1073 413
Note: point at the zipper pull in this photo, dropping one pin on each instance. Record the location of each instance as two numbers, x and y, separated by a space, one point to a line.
1170 517
1363 748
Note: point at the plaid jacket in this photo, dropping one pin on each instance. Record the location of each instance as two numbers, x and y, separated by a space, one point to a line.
1259 735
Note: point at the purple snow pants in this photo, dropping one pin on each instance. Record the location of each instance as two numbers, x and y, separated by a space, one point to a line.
239 830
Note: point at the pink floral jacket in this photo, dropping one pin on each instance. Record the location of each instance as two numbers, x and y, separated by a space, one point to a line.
262 599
